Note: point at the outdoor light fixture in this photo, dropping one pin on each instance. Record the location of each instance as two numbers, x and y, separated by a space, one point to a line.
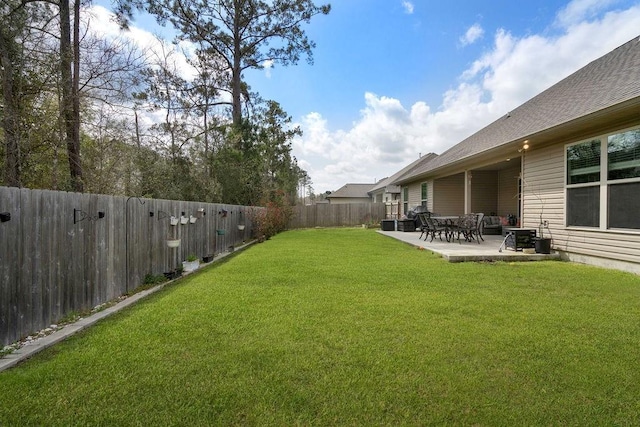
5 216
525 145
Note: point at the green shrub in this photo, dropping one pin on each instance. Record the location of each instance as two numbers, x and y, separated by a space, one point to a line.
151 279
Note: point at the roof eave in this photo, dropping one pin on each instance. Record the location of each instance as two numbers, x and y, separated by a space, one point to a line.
626 113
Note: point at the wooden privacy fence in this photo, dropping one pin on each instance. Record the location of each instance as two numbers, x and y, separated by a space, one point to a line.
64 252
337 215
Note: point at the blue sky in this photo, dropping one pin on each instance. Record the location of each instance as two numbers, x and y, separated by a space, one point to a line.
411 53
395 78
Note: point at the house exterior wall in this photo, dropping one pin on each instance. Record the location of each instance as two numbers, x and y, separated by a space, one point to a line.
544 199
383 196
430 194
448 195
484 191
415 194
508 201
345 200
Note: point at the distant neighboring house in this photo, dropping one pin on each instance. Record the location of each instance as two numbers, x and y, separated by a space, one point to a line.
566 162
351 193
386 190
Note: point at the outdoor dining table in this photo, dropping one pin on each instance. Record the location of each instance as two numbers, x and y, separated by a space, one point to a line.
449 222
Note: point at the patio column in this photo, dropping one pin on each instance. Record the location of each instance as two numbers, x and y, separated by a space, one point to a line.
467 191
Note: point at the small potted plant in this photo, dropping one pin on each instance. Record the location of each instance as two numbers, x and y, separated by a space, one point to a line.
542 244
191 264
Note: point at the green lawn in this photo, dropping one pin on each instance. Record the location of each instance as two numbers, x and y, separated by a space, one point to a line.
348 327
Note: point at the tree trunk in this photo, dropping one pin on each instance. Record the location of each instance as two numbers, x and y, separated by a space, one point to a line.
236 77
10 116
67 107
75 96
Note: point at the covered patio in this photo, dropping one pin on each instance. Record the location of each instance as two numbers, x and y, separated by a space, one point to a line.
489 250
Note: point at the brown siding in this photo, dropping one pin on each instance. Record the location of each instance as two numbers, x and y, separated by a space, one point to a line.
448 195
543 188
484 191
415 194
544 196
508 191
348 200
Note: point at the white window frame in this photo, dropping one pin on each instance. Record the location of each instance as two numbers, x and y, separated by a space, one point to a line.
604 184
405 200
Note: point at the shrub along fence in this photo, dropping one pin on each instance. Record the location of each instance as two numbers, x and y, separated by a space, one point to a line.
337 215
68 252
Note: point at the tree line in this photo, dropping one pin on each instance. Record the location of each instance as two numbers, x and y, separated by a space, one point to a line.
90 112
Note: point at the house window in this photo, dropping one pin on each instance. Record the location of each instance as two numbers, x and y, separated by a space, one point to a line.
423 194
623 173
623 154
583 206
595 171
583 175
405 199
583 162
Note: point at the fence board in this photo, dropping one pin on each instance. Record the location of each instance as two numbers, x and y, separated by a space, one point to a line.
337 215
51 266
9 263
26 252
45 254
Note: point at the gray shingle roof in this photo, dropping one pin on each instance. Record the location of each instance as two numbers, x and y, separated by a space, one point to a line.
610 80
423 160
352 190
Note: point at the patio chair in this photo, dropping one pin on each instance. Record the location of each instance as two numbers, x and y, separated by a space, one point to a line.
435 227
423 225
467 226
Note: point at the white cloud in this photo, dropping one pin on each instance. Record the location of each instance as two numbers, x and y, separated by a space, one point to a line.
267 65
474 33
579 10
388 136
103 23
408 7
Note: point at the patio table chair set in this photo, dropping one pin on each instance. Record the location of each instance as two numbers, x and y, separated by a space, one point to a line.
453 227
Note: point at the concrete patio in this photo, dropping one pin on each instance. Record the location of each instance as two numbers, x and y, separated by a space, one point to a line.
469 251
